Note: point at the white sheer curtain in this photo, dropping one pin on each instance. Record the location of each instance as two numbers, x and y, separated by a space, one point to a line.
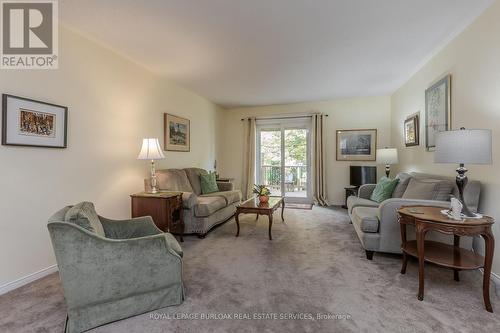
318 161
248 158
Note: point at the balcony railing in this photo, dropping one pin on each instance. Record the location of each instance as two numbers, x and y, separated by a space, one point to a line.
295 178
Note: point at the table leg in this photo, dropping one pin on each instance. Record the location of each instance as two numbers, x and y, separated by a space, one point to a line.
237 223
488 259
456 243
403 243
420 231
270 225
282 210
257 217
405 263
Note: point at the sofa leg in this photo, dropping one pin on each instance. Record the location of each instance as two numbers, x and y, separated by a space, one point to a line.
369 254
201 236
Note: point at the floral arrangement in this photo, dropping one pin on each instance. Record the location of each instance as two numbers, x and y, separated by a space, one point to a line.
261 190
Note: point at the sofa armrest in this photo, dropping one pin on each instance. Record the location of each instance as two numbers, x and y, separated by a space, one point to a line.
225 186
365 191
189 200
132 228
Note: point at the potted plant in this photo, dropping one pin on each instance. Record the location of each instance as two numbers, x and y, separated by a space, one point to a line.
262 192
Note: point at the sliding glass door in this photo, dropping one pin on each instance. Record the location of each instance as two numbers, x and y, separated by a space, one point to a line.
283 158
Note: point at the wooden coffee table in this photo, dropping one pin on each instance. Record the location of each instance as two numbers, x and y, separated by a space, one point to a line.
254 206
426 218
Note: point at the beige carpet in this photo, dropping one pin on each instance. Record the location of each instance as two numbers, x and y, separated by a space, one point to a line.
314 265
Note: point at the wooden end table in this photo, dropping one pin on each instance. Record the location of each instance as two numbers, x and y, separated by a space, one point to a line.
254 206
426 218
164 207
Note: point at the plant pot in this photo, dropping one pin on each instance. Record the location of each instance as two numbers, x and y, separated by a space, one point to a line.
263 198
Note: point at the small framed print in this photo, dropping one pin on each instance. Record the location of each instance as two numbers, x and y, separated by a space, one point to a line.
177 133
357 145
26 122
412 131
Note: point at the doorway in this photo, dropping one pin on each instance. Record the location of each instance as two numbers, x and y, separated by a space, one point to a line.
283 158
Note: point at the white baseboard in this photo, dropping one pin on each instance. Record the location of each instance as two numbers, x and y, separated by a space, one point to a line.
5 288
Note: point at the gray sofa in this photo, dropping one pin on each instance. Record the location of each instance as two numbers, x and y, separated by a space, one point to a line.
201 211
376 224
111 270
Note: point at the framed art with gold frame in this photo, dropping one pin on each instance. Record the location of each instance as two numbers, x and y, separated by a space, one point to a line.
177 133
357 145
412 129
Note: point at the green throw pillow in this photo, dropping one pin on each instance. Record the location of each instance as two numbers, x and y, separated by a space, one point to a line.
208 183
384 189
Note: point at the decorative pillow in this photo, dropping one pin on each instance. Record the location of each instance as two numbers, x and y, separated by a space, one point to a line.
404 180
428 189
443 191
384 188
84 215
208 183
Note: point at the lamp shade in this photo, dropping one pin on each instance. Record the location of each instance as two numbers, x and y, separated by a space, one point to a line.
387 156
467 146
150 150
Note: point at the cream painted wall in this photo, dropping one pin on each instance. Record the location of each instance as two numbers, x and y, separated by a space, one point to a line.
355 113
473 60
113 104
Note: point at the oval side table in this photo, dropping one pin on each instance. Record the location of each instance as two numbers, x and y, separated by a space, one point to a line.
426 218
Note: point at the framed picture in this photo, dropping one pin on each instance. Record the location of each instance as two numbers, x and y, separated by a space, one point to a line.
177 133
26 122
412 130
437 110
357 145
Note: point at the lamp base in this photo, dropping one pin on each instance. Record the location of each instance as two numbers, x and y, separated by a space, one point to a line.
387 170
154 189
461 181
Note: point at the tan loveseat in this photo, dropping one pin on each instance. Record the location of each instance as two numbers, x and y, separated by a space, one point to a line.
201 211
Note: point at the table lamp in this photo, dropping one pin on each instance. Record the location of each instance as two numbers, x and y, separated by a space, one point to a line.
387 156
151 150
463 146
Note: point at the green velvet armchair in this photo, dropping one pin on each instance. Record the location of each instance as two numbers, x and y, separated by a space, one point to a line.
111 270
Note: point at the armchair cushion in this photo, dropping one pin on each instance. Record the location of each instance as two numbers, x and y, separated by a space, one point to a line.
126 229
84 215
206 206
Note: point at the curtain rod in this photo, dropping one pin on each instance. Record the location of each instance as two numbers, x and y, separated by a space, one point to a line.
284 117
